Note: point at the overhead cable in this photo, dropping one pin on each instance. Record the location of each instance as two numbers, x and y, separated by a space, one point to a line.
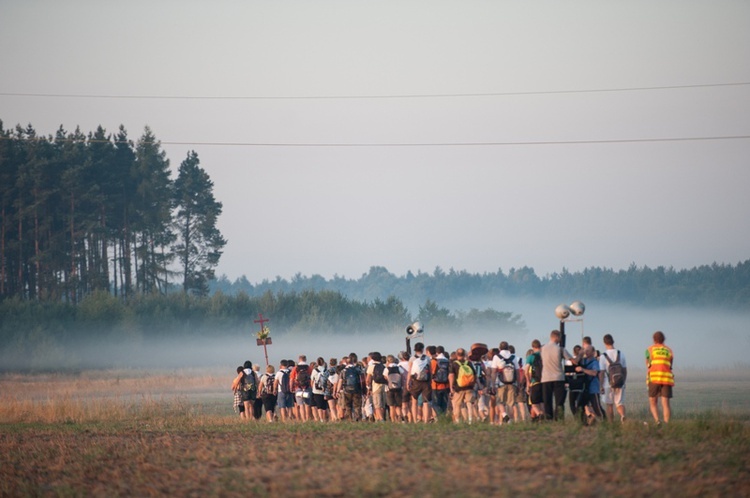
366 97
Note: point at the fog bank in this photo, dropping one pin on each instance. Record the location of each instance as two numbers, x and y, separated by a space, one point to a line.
700 338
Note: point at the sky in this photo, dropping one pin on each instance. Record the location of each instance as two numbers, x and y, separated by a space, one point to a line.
463 134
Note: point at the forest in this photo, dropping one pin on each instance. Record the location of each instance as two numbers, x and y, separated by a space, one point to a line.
715 285
84 213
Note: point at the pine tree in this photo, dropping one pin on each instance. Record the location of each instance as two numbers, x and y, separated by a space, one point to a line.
199 243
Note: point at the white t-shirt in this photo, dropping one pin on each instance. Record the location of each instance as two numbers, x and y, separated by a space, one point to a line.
376 388
279 377
316 372
498 363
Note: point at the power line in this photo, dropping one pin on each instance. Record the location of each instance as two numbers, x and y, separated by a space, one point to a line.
368 97
404 144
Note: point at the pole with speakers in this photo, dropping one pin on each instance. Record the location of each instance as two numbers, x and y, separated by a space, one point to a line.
563 312
413 331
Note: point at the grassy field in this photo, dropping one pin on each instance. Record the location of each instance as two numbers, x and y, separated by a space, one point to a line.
173 433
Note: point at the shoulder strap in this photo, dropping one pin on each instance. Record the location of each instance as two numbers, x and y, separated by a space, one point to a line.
606 357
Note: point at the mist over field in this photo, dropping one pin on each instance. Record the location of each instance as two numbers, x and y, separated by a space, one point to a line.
700 338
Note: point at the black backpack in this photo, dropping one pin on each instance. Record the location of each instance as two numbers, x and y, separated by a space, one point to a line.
352 380
442 371
378 374
536 367
615 371
285 381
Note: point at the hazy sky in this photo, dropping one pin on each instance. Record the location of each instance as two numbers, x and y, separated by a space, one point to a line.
553 171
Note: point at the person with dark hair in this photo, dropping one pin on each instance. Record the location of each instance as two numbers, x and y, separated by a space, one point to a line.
330 393
534 376
504 373
659 362
284 396
462 380
302 386
249 388
553 377
418 383
439 372
351 381
376 382
267 393
613 389
404 362
319 380
237 387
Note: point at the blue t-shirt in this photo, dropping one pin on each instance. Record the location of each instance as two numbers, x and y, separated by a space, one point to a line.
592 364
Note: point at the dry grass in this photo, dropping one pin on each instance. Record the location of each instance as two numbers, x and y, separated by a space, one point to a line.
141 434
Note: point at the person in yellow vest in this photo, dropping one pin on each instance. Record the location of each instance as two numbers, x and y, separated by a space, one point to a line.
659 361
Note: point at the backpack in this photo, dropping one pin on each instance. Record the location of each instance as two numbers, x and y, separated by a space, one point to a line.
378 372
479 376
285 381
536 367
249 382
508 373
352 380
394 378
303 376
321 383
423 374
615 371
442 370
466 376
267 387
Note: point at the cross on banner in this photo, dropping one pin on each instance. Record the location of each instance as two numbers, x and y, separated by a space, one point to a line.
265 341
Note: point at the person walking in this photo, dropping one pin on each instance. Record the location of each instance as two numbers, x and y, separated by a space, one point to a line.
614 374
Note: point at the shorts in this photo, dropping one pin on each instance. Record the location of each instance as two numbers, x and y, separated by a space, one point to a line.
405 397
506 395
304 398
241 407
394 397
247 396
656 390
378 399
614 396
269 402
319 402
535 394
467 396
285 400
522 396
422 387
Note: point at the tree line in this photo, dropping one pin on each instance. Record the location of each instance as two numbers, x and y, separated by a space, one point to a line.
41 335
84 213
721 285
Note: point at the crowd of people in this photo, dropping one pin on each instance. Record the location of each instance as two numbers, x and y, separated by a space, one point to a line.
496 386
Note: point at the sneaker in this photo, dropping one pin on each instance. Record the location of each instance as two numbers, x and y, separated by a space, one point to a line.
506 419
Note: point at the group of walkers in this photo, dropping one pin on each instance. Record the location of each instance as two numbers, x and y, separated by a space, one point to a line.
496 385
